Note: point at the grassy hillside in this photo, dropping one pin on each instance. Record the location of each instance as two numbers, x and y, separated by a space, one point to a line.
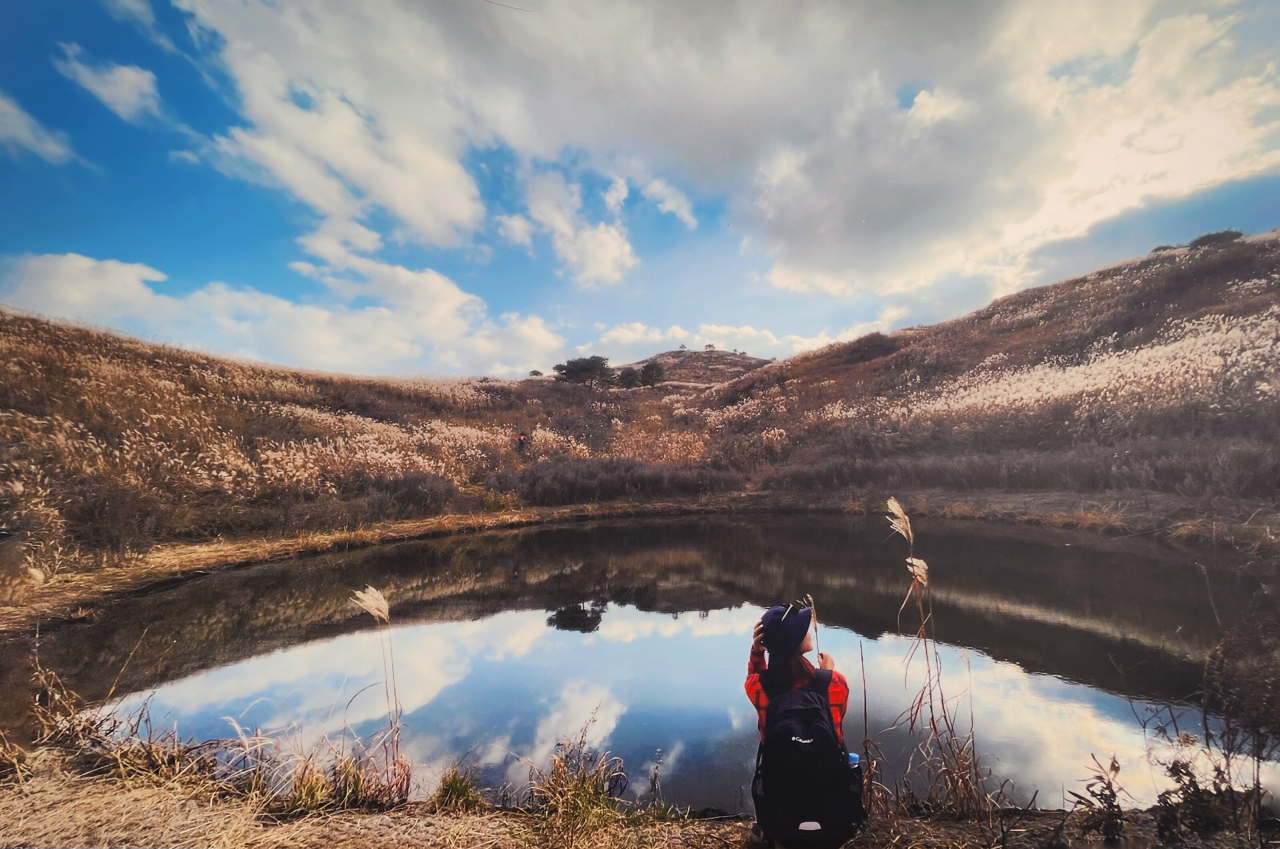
706 367
1157 375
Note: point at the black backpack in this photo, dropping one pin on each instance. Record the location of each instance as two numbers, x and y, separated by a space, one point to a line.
805 791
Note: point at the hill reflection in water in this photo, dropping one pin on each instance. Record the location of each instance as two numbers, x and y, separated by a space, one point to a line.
505 642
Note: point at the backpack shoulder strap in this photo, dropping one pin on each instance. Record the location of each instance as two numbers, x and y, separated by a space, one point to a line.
821 684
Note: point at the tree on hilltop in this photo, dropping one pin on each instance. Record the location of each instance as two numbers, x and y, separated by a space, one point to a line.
1222 237
652 373
590 370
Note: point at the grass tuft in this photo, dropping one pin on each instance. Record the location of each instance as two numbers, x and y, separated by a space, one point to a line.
578 794
457 793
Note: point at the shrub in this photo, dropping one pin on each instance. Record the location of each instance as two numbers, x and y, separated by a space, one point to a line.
553 482
629 378
1221 237
652 373
495 501
456 793
1238 468
423 492
870 347
579 793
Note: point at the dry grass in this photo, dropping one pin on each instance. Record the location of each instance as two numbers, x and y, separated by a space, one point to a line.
61 806
944 775
457 793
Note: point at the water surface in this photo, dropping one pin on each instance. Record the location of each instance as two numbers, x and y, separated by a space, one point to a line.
506 642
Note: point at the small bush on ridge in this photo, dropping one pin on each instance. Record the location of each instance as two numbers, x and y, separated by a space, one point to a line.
554 482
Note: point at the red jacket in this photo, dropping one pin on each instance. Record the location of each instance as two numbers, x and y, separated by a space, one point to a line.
838 693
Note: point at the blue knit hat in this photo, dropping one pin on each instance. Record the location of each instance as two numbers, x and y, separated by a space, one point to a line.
784 631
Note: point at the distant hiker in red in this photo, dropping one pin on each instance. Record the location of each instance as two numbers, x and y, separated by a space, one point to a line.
522 443
807 787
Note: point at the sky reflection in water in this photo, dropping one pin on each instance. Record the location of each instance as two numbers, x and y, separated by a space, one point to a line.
512 685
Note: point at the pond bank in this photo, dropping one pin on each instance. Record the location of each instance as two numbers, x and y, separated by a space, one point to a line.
61 805
1249 530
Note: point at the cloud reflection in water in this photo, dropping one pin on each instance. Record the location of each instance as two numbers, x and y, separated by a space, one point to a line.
511 685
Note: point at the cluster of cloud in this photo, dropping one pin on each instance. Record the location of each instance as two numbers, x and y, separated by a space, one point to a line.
127 90
417 320
595 255
20 133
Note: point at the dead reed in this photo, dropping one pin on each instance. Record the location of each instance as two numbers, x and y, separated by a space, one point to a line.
944 773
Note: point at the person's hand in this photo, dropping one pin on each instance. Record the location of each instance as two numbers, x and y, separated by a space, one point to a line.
757 637
826 661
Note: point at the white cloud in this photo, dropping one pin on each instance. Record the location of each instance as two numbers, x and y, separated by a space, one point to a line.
414 321
19 131
635 340
344 126
672 200
978 182
929 107
516 229
137 11
596 255
127 90
616 195
578 706
627 624
141 15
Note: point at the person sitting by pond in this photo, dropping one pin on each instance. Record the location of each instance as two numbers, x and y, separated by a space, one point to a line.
806 790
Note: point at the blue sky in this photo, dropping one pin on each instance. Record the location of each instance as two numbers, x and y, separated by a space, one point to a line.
465 188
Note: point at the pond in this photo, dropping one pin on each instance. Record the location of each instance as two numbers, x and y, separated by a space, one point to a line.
504 643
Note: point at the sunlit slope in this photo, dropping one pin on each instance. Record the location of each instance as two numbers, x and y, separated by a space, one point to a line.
1174 359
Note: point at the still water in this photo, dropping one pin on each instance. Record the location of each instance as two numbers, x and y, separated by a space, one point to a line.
504 643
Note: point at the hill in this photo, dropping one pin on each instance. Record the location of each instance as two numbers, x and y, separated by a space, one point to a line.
701 367
1156 376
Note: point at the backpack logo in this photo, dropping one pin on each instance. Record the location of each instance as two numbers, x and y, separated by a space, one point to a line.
801 740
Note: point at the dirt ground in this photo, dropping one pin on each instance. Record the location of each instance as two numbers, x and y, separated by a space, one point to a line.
59 804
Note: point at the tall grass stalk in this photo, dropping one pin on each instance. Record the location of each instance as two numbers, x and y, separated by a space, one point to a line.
944 759
397 771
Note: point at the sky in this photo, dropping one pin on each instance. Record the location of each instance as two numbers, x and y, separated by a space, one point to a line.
464 187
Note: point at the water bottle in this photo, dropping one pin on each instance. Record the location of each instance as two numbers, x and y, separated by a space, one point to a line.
855 774
855 790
